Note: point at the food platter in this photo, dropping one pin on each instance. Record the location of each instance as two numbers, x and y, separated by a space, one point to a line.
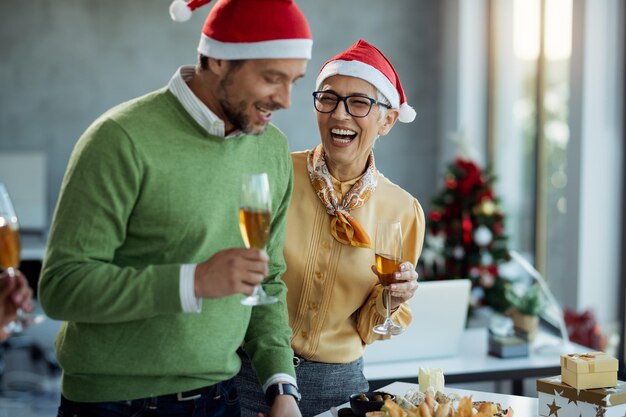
423 404
431 404
522 406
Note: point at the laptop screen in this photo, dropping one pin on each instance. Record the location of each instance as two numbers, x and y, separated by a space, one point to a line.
439 315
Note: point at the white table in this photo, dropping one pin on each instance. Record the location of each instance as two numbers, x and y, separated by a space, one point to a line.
522 406
473 364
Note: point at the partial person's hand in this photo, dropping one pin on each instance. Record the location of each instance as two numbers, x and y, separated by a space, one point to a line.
231 271
284 406
15 294
402 292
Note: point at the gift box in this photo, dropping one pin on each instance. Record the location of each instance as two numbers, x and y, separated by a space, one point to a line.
559 399
508 346
589 370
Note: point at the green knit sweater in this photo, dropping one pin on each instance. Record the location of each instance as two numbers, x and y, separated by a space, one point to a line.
146 190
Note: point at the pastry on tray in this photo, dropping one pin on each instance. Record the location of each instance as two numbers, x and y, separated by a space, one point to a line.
429 404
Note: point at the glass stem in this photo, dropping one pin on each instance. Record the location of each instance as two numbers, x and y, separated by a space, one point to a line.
16 325
388 304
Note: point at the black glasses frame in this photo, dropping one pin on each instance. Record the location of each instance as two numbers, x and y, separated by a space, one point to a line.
345 102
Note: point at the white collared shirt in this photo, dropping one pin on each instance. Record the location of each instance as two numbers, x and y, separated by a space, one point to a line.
196 108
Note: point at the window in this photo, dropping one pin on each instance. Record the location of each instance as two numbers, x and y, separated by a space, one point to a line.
530 51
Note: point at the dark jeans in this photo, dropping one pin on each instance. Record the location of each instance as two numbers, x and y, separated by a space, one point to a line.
221 400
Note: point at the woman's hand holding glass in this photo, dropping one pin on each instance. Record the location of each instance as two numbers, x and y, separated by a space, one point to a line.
404 289
398 278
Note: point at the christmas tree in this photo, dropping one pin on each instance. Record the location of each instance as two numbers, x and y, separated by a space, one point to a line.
465 235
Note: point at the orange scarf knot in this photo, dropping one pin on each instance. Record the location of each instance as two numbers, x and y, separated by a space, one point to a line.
344 228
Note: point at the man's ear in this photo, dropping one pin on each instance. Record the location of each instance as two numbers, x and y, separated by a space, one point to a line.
391 117
218 66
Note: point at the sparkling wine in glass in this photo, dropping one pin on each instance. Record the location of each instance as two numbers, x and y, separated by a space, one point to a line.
10 257
254 221
388 259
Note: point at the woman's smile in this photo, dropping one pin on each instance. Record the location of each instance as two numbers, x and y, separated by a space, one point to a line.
342 137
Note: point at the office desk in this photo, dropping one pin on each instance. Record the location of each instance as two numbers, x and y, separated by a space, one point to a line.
522 406
473 364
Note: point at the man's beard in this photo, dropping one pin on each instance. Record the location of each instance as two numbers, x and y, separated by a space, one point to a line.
237 116
236 113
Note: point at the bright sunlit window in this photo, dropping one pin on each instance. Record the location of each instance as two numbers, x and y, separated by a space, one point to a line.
531 48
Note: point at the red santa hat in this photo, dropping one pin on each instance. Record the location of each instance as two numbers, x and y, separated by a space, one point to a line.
250 29
363 60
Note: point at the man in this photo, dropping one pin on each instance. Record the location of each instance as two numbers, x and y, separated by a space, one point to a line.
145 262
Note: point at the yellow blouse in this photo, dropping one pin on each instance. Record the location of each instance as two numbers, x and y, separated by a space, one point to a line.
333 297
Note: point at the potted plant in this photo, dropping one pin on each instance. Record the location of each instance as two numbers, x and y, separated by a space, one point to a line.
524 311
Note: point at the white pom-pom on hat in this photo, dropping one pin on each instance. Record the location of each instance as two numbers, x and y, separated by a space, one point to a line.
179 11
407 113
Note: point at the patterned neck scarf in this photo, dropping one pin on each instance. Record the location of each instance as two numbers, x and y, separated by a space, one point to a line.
343 226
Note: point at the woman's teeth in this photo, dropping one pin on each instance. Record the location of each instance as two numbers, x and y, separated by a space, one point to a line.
343 135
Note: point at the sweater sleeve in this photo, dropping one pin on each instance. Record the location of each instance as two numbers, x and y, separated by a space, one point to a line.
268 339
373 312
81 280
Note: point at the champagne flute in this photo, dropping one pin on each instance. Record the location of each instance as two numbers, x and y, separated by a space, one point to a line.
388 259
10 257
254 221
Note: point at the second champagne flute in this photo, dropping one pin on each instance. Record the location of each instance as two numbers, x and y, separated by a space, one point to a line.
255 213
10 257
388 260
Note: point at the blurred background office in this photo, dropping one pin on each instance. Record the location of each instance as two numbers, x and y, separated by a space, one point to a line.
535 88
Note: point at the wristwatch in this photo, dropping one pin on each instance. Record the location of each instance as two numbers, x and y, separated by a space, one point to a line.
281 388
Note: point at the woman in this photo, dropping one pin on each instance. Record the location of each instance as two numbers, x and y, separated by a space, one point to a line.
334 298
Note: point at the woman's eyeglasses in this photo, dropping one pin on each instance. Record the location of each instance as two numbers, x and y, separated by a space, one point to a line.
355 105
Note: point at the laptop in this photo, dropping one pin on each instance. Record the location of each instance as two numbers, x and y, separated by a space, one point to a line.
439 315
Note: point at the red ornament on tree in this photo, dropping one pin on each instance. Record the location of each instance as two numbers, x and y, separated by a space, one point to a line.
471 178
467 228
